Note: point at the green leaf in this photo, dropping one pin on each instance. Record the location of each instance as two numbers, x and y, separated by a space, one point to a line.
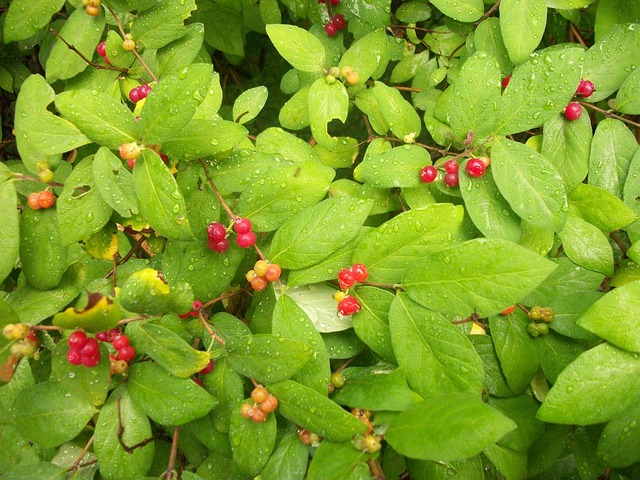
83 32
289 458
267 358
39 471
173 102
566 144
568 4
522 23
462 11
50 414
372 322
249 104
318 231
612 150
338 460
166 399
398 113
614 317
522 410
162 24
555 353
481 275
473 104
488 38
510 463
438 428
183 51
515 349
167 349
160 200
619 443
146 291
290 321
294 114
100 313
81 209
114 461
409 66
631 196
540 88
298 47
587 246
409 235
24 18
9 228
365 54
494 378
398 167
599 385
627 97
327 102
103 119
374 388
530 183
436 357
114 183
315 412
271 198
251 442
225 27
609 61
490 212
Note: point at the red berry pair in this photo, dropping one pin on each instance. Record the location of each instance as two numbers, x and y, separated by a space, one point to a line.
217 237
195 309
138 93
38 200
102 51
245 236
337 23
348 276
83 350
108 336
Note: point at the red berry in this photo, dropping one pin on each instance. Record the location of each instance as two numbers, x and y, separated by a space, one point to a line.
508 310
348 306
113 333
335 2
360 272
207 369
346 278
91 361
220 246
91 348
573 111
102 49
330 29
120 342
46 199
451 180
77 340
339 20
144 90
242 225
475 167
259 394
273 272
197 304
258 415
451 166
74 357
505 81
197 381
126 353
428 174
246 240
259 283
216 232
585 88
103 336
134 95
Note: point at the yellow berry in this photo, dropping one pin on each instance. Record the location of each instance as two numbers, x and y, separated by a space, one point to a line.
250 275
346 71
260 267
353 78
339 296
128 43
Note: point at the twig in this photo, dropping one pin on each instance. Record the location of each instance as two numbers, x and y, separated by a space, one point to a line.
608 113
489 12
81 55
168 474
77 463
120 433
232 215
375 469
206 325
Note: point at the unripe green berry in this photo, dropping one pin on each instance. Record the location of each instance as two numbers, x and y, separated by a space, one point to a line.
338 380
532 329
535 313
334 72
330 79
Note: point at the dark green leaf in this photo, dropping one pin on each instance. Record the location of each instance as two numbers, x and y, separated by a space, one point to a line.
556 353
619 444
24 18
586 245
251 442
115 183
372 322
289 458
338 460
9 227
374 388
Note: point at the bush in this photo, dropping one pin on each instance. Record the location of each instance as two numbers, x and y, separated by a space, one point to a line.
304 239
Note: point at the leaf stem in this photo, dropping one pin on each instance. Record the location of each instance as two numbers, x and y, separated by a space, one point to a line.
608 113
168 474
81 55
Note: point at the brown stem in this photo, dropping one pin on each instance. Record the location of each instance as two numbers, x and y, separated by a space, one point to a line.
120 432
168 474
135 319
81 55
489 12
608 113
126 258
77 463
621 245
50 328
408 89
206 325
232 215
375 469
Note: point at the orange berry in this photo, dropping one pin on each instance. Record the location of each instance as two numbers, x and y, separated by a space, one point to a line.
246 410
129 151
32 201
250 275
273 272
508 310
93 11
353 78
46 199
258 415
259 283
259 394
269 404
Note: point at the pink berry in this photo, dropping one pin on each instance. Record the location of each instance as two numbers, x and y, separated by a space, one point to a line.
197 304
451 166
348 306
330 29
505 81
335 2
475 167
126 353
77 339
74 357
91 361
242 225
207 369
120 342
91 348
197 381
102 49
428 174
585 88
451 180
246 240
144 90
113 333
339 20
346 278
103 336
134 95
360 272
573 111
220 246
216 232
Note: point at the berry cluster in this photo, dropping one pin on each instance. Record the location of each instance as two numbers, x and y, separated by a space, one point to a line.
540 318
308 438
195 310
337 380
369 442
25 344
475 167
262 273
44 171
336 24
124 351
573 110
38 200
83 350
347 277
140 92
102 51
263 404
351 77
92 7
217 235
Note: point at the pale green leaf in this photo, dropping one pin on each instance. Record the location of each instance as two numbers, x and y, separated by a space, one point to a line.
298 47
522 23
